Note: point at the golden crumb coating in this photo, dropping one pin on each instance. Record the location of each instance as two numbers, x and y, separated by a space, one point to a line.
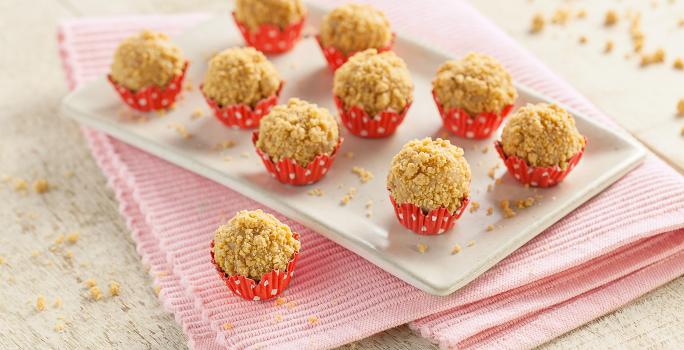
298 130
240 76
253 243
355 27
281 13
478 83
543 135
430 174
374 82
146 59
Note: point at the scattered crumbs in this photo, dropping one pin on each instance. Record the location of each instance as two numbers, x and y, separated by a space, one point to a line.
68 255
560 16
2 260
582 13
95 293
114 288
537 24
490 211
20 185
40 303
157 289
485 149
682 132
610 19
490 228
6 178
197 113
227 326
223 145
59 327
90 282
34 253
680 22
506 207
608 48
280 301
244 155
363 174
57 303
349 155
59 240
490 187
636 33
291 304
161 112
369 208
680 107
187 86
678 64
658 56
474 206
422 247
317 192
181 130
162 273
41 186
349 196
470 243
73 237
227 158
492 171
455 249
583 39
524 203
312 320
498 181
278 317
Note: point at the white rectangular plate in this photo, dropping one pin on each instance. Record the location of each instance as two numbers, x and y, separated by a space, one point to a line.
380 238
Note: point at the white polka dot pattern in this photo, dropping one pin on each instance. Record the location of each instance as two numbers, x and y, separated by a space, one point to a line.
464 125
151 98
359 123
436 222
269 38
337 58
243 116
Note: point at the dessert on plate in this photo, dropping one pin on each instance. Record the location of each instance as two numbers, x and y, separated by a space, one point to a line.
429 185
255 254
540 144
473 95
270 26
147 71
241 86
352 28
373 91
297 142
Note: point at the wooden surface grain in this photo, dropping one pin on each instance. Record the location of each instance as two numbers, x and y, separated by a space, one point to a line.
36 143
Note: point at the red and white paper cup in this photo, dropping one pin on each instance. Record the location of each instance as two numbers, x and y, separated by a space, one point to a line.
462 124
537 176
271 39
269 286
243 116
288 171
151 98
337 58
359 123
435 222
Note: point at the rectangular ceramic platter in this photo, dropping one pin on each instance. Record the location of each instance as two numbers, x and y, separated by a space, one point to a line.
379 238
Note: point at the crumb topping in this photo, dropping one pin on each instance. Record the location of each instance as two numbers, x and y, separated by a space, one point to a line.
430 174
240 76
478 83
114 288
363 174
253 13
542 135
40 303
680 107
422 248
537 24
41 186
146 59
355 27
455 249
375 82
253 243
298 130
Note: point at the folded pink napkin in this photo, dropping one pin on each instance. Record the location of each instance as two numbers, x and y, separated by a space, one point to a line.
616 247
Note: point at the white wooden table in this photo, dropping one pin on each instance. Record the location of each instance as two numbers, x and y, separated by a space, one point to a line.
35 143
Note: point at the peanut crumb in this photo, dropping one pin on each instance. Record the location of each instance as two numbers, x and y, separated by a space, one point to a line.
40 303
90 282
506 207
68 255
2 261
583 39
278 317
498 181
20 185
470 243
490 211
657 56
490 228
197 113
223 145
680 107
73 237
455 249
114 288
682 132
291 304
57 303
582 13
611 18
244 155
422 247
349 155
474 206
59 327
525 203
59 240
34 253
363 174
678 64
227 158
280 301
609 47
227 326
485 149
348 197
560 17
492 171
95 293
181 130
312 320
41 186
537 24
317 192
490 187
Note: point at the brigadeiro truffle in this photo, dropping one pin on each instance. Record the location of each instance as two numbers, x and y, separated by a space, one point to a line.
271 26
255 254
429 185
473 95
241 86
540 144
298 142
373 92
147 71
353 28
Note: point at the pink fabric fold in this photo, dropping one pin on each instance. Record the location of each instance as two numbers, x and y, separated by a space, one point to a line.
619 245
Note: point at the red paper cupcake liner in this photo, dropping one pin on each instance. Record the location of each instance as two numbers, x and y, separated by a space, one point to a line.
269 286
357 121
269 38
537 176
336 58
243 116
151 98
288 171
462 124
436 222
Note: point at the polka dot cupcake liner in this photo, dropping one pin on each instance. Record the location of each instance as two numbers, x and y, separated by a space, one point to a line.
243 116
436 222
337 58
537 176
269 286
288 171
151 98
462 124
271 39
357 121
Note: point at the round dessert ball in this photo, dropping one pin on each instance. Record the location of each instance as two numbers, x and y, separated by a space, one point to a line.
355 27
477 84
146 59
374 82
542 135
253 243
240 76
299 131
430 174
254 13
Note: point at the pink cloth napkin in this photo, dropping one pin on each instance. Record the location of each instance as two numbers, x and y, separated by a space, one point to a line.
616 247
